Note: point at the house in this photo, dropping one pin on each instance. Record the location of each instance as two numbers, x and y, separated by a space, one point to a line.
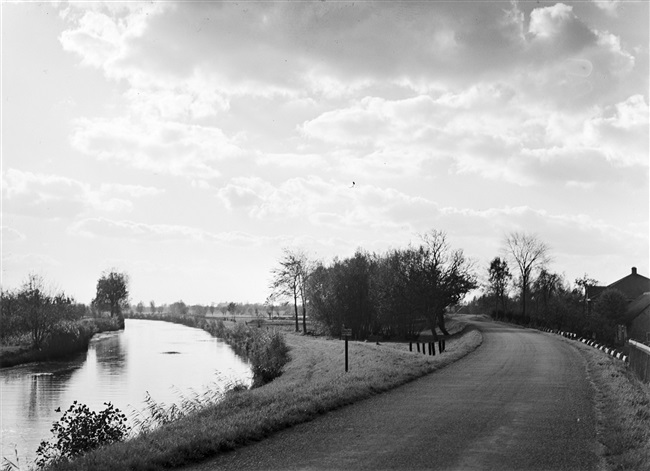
636 289
632 286
637 319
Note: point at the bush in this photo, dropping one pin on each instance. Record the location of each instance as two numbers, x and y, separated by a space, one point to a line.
81 430
268 356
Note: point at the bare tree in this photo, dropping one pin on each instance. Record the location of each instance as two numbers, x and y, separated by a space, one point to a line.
447 275
529 254
290 280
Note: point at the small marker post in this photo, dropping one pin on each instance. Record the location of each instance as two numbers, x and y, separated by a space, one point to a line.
347 333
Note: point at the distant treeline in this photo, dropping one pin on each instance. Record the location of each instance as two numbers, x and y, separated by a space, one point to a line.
179 308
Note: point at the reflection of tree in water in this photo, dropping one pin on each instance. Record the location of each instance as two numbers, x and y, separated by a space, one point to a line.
45 390
111 355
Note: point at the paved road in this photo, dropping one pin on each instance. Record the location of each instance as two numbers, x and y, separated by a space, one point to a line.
521 401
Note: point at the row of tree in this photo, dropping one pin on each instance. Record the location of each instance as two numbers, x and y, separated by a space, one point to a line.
396 293
36 310
553 302
402 291
230 309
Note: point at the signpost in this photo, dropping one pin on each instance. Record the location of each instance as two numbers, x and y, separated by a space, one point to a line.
347 333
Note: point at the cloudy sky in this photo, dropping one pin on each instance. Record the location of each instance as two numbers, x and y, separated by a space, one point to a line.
187 142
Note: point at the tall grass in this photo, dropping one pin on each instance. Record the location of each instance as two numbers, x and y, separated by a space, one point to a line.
157 414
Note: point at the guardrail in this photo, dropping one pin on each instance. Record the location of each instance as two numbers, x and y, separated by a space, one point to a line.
640 360
570 335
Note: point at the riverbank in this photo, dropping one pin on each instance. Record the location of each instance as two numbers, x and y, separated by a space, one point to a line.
313 382
67 339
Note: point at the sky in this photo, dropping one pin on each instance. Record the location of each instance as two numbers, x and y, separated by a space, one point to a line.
187 143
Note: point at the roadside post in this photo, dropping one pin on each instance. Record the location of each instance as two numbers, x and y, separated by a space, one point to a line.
347 333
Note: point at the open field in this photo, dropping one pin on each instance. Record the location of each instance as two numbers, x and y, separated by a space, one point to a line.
313 383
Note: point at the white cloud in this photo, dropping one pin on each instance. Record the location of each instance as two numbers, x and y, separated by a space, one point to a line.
553 21
55 196
174 148
610 6
495 131
125 229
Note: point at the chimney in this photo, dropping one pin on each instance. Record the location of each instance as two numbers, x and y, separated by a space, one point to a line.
634 270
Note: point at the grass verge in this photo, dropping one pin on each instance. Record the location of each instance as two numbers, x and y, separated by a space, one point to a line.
314 382
623 411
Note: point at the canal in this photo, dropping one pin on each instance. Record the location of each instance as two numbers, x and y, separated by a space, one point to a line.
165 360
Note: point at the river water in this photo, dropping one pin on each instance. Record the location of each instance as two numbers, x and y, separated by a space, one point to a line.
166 360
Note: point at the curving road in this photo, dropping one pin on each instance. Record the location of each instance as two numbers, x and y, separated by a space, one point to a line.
521 401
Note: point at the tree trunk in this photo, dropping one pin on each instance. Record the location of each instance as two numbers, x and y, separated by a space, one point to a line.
441 323
304 318
524 291
435 334
295 308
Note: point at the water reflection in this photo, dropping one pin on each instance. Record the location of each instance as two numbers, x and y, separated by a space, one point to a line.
110 355
120 368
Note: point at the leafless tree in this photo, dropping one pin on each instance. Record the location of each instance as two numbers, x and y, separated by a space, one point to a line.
528 253
290 280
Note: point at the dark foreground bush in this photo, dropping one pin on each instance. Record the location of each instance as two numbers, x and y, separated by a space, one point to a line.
81 430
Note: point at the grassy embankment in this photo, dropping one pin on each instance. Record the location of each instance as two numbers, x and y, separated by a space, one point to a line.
622 408
68 338
313 382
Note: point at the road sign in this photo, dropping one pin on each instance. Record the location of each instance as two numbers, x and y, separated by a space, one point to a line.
346 332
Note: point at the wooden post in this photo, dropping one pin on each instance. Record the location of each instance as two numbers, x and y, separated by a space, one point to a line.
410 346
347 333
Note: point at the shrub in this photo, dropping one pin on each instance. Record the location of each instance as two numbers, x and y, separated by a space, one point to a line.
81 430
268 356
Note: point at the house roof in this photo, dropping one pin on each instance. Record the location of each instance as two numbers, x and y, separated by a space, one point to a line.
594 291
637 306
632 285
